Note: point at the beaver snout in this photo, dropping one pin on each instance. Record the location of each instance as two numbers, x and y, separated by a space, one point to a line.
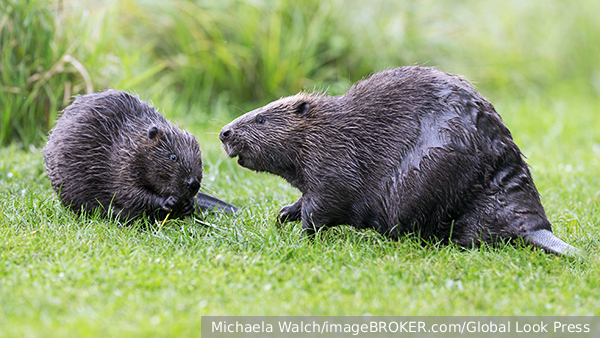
225 134
227 138
193 185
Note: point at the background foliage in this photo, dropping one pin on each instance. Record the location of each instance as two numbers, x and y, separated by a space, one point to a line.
210 56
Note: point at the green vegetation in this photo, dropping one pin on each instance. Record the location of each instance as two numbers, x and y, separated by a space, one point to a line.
205 62
225 57
31 68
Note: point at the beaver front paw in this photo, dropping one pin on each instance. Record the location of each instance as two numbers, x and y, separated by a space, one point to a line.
170 203
289 213
188 207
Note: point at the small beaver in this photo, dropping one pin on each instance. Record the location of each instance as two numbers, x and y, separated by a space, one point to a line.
407 150
112 149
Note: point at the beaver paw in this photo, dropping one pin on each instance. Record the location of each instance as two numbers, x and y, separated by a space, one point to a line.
289 213
188 207
170 203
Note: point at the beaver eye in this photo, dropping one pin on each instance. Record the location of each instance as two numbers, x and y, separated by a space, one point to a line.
260 120
173 157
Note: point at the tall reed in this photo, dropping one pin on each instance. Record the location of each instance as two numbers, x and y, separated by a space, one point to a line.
37 72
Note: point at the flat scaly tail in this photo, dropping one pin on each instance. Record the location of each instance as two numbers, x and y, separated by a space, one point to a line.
207 202
546 240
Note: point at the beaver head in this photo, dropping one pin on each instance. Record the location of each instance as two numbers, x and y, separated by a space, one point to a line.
272 138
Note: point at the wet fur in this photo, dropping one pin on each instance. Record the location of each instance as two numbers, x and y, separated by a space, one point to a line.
407 150
112 149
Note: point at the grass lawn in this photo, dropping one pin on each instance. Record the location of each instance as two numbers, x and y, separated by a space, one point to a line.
61 275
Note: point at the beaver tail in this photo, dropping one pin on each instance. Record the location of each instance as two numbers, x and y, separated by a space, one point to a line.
547 241
210 203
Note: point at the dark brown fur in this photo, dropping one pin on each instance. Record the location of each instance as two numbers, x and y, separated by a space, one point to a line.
111 149
408 150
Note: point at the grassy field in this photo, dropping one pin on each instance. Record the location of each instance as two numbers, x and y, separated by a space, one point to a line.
66 276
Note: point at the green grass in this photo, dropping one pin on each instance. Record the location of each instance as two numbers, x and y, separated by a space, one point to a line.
61 275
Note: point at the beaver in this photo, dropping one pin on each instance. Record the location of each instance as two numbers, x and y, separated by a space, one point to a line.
407 150
112 152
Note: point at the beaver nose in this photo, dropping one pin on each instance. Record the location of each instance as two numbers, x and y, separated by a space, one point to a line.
193 185
225 133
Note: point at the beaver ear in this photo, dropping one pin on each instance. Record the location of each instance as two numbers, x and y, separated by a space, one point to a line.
302 108
153 132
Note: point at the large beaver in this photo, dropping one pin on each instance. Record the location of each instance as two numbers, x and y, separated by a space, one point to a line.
110 150
407 150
